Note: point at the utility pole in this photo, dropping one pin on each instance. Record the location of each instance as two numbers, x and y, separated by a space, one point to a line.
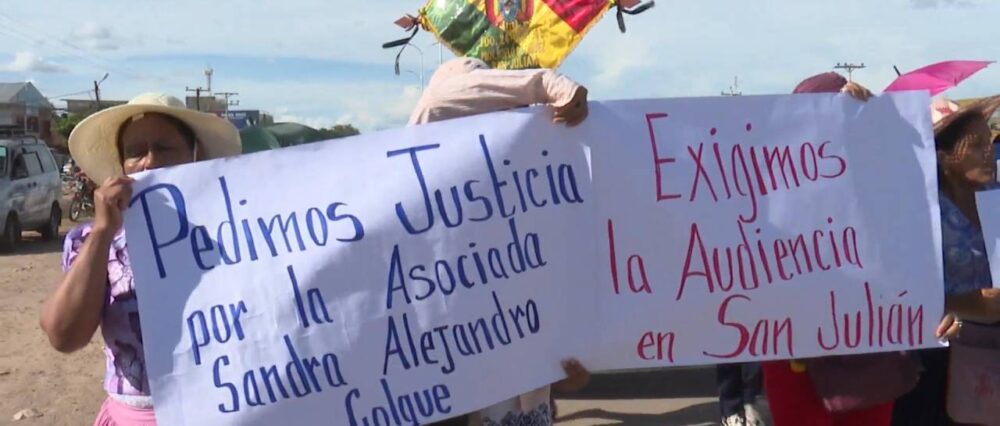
228 103
97 90
734 90
850 67
197 90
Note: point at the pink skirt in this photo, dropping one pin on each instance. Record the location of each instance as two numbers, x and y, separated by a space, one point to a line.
115 413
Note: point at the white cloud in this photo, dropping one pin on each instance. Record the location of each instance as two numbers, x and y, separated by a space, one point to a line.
94 36
282 115
696 48
31 62
676 49
933 4
367 105
303 28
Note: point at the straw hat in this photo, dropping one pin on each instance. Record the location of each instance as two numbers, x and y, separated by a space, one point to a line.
944 113
94 142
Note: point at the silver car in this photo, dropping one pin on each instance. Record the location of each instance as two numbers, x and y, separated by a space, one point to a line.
30 189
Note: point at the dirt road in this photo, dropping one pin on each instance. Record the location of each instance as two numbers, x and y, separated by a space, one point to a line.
65 389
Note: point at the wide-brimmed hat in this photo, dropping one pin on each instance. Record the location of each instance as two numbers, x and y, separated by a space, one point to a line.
94 141
945 113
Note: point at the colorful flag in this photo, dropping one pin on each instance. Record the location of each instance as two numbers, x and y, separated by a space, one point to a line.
513 34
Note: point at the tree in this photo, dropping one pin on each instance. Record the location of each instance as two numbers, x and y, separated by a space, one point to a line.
339 131
66 123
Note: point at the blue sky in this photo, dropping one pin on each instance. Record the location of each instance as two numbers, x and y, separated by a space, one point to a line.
319 61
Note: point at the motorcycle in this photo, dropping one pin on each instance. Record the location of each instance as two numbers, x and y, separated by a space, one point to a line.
83 200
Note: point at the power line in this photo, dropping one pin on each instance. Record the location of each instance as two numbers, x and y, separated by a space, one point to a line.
23 31
69 49
11 30
31 40
71 94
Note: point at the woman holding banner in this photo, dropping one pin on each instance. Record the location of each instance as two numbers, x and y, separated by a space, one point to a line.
468 86
810 392
966 165
151 131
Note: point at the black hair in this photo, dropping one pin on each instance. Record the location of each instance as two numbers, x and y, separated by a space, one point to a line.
186 132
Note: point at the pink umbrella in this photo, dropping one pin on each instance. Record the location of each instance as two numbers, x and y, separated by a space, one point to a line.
938 77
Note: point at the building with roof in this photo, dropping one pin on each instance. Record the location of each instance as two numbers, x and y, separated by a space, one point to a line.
24 110
247 118
89 106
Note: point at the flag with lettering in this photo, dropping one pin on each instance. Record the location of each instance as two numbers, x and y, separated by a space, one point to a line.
513 34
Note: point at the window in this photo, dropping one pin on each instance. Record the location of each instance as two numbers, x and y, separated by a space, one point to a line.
33 164
20 171
3 161
48 163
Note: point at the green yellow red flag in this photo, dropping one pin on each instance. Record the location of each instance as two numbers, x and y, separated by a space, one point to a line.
515 34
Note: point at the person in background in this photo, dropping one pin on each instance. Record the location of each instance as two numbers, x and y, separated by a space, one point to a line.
467 86
966 164
151 131
739 386
791 394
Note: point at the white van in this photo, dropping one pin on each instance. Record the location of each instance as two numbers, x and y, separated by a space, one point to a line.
30 189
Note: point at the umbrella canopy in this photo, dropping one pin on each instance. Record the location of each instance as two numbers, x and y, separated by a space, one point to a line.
937 77
278 135
257 139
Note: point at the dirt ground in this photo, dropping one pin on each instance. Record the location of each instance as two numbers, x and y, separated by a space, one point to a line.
65 389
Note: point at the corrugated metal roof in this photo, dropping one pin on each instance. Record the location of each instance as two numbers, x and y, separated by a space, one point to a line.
23 92
9 91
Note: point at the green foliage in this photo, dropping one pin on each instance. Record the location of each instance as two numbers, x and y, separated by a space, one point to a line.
339 131
67 122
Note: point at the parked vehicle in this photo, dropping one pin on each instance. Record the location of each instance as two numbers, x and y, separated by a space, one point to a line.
30 188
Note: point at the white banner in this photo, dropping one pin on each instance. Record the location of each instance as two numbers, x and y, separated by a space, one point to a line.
765 227
416 274
988 203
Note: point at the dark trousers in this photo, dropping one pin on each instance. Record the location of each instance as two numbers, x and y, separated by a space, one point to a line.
739 384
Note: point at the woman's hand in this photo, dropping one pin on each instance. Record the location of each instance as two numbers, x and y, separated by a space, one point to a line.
949 328
576 377
110 201
574 111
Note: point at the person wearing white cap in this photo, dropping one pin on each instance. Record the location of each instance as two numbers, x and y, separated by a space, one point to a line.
151 131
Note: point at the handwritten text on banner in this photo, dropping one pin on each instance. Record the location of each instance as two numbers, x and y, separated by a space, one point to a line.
417 274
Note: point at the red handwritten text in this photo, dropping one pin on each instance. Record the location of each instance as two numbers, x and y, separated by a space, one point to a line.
754 260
